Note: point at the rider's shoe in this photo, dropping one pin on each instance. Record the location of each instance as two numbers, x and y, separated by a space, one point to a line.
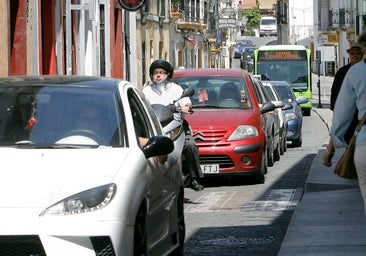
196 186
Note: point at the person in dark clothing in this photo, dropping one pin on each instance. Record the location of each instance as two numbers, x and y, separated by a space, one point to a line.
356 55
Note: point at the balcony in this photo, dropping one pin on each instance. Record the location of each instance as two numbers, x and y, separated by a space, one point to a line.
191 26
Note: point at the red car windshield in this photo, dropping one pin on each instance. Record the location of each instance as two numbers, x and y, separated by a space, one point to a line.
218 91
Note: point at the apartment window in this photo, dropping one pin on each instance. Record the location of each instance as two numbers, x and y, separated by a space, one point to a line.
333 18
342 18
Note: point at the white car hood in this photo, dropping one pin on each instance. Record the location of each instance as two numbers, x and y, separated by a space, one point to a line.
41 177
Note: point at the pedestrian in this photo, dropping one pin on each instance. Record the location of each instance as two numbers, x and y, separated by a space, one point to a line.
163 91
355 56
352 98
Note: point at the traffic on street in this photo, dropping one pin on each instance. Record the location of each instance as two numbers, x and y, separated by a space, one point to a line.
237 216
170 128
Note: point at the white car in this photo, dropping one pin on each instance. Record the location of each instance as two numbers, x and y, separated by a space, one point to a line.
68 189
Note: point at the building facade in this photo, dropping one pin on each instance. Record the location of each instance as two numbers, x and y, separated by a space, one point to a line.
337 24
101 37
62 37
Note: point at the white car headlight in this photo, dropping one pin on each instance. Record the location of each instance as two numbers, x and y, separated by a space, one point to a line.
244 132
86 201
290 116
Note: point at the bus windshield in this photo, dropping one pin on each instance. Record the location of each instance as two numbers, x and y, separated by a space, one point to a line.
295 72
289 63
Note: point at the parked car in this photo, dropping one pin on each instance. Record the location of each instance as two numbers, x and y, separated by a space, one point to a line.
294 115
228 123
272 124
246 42
85 190
238 50
240 46
281 107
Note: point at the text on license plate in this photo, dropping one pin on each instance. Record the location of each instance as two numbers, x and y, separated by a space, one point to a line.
210 168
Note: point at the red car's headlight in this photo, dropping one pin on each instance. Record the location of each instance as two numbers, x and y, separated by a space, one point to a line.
244 132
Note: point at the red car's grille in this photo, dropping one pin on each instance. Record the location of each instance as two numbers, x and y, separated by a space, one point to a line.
222 160
208 136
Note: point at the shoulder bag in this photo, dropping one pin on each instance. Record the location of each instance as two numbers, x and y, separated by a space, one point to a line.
345 167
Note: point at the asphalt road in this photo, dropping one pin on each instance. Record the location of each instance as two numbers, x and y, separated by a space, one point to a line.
239 217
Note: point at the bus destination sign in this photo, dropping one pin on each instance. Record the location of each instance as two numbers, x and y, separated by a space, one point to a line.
284 55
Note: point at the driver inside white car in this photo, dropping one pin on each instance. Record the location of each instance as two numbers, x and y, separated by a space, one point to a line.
89 117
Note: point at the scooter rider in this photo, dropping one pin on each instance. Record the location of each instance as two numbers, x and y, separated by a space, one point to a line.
163 91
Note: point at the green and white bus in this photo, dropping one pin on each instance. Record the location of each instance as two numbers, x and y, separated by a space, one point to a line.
289 63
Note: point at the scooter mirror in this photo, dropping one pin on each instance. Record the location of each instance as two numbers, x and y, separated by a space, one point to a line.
188 92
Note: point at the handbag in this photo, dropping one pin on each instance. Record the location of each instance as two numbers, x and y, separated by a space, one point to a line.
345 167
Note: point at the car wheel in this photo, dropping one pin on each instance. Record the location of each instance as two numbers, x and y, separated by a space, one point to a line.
270 156
139 244
259 177
282 146
264 164
276 153
181 233
298 142
307 112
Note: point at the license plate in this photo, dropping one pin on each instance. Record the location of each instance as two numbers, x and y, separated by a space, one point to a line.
210 168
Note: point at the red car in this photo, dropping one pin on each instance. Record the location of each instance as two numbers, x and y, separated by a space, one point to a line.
228 122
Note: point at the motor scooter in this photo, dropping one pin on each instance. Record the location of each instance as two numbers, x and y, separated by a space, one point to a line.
173 127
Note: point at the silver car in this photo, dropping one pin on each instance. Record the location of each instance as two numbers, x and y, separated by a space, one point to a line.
281 107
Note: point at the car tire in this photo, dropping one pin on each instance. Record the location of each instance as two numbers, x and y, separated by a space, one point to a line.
307 112
298 142
282 150
270 155
181 232
139 245
285 144
277 153
260 176
282 145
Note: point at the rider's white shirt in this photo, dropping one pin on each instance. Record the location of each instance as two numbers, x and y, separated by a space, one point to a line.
168 95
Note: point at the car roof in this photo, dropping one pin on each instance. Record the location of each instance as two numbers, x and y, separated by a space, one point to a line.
209 72
59 80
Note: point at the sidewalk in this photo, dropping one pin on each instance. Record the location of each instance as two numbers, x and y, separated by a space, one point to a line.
329 219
